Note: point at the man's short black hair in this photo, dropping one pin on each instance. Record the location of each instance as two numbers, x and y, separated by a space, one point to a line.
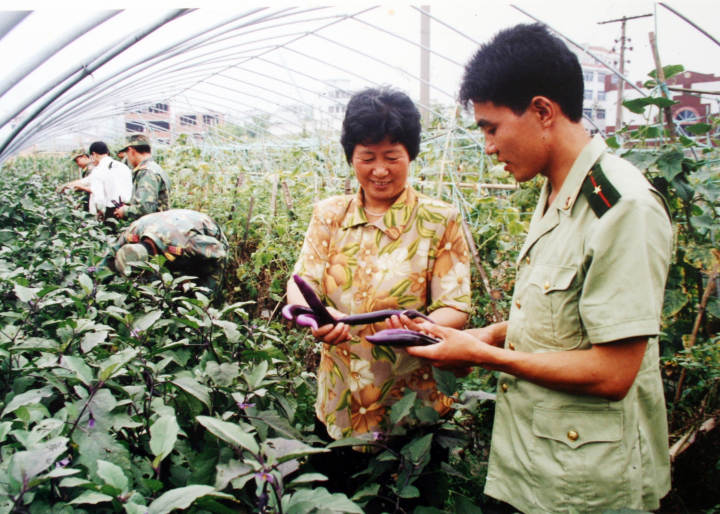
376 113
522 62
99 148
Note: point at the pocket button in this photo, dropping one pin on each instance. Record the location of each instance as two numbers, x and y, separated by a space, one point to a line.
572 435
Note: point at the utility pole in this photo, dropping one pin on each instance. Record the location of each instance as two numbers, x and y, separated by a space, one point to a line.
623 41
425 62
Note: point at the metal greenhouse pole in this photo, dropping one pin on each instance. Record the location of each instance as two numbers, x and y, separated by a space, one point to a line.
12 79
10 19
87 70
173 49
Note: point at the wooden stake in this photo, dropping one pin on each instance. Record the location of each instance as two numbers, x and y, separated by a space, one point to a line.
247 220
273 198
497 317
286 194
661 81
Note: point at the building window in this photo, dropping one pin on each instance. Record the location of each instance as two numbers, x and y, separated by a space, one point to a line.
587 113
588 95
601 76
588 75
158 108
600 114
159 125
132 126
210 119
601 95
188 119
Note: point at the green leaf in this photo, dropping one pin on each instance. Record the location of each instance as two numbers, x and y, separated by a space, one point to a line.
92 339
163 435
112 475
278 423
257 375
418 449
409 491
145 321
26 398
225 473
307 478
713 308
446 381
638 105
698 129
26 465
229 432
308 500
675 300
402 407
464 505
5 428
26 294
77 364
86 283
115 363
91 497
669 70
194 388
670 164
182 498
287 449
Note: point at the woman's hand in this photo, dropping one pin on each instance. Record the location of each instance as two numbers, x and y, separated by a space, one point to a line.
333 334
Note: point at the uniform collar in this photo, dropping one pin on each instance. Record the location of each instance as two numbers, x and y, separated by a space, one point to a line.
395 219
572 184
142 164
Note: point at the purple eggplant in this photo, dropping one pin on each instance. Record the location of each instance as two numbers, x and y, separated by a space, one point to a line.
322 316
401 337
317 314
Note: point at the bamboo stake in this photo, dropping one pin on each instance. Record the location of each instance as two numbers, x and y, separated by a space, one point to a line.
497 317
286 194
247 220
696 327
273 197
661 81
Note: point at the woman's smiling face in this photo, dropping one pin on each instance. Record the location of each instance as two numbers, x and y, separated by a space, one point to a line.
382 171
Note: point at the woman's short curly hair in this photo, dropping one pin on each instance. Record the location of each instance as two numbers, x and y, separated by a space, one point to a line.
376 113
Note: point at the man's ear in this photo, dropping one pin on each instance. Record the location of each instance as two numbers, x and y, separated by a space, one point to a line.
545 110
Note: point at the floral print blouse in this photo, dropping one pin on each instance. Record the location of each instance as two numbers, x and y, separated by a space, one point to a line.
415 257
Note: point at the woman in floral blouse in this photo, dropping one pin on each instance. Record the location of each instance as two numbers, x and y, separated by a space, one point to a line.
385 247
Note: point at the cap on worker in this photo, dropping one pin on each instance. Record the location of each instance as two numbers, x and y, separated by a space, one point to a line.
128 254
79 153
135 140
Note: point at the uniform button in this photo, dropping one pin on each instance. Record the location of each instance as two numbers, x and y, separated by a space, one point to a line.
546 286
518 304
572 435
511 346
527 259
504 387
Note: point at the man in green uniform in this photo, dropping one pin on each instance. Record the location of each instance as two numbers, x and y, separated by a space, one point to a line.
191 241
580 422
151 185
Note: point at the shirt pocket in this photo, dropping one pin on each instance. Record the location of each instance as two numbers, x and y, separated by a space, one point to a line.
580 452
551 307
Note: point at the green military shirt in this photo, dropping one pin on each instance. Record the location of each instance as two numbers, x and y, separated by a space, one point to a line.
151 190
592 271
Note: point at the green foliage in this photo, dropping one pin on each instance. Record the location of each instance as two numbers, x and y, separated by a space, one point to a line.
686 171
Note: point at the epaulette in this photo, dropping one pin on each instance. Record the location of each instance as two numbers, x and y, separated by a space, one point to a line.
599 191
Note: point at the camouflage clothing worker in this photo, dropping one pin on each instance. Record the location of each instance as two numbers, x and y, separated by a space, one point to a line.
191 241
151 190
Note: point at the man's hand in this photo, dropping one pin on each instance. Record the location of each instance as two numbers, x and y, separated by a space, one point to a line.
457 350
120 212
